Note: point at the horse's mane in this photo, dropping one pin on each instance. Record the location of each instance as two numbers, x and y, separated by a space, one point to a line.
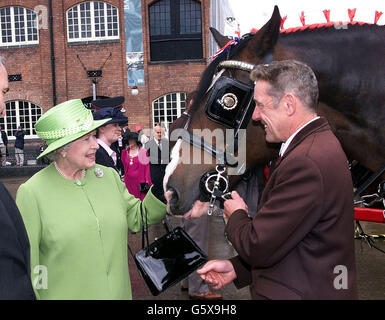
350 49
332 27
211 68
336 25
347 45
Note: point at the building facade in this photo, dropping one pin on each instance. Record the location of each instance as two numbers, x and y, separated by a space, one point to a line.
67 49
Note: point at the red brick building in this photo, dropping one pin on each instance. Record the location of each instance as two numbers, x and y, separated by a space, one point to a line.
49 60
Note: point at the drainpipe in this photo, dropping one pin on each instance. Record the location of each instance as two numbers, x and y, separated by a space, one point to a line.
52 53
94 82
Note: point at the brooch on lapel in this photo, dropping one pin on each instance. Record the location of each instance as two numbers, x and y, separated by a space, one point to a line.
99 172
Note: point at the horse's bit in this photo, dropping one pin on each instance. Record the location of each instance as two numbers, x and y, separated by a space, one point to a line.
215 185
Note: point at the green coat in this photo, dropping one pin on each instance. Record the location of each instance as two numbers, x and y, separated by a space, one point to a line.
78 233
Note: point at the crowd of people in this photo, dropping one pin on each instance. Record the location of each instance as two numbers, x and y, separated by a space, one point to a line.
139 160
68 227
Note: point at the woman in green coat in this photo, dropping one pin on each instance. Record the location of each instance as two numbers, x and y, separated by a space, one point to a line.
77 214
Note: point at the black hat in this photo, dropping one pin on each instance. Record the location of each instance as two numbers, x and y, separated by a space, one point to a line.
127 136
113 113
133 136
115 102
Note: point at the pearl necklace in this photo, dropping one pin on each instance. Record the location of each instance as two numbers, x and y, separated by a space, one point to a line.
64 176
133 156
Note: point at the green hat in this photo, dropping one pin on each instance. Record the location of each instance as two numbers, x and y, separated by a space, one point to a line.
65 123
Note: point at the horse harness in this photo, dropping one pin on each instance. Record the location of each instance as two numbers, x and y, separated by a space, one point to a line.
230 103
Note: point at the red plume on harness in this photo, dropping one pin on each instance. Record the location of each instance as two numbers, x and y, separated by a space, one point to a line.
302 18
377 16
327 15
351 13
283 21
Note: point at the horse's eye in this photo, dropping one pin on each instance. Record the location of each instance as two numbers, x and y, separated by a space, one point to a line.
229 101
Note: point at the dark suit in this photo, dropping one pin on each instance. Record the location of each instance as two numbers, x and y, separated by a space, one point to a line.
303 230
15 281
104 159
159 158
119 163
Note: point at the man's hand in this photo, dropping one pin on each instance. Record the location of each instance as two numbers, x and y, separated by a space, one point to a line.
217 273
232 205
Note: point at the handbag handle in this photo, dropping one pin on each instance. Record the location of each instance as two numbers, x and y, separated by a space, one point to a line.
166 223
144 234
144 230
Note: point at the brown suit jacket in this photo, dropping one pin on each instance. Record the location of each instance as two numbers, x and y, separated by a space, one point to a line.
302 233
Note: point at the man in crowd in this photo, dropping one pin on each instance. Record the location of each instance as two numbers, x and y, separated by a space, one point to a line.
300 242
15 280
159 156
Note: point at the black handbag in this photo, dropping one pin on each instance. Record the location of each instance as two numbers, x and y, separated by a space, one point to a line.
144 187
169 259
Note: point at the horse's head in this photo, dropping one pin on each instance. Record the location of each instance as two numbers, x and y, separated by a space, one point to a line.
220 129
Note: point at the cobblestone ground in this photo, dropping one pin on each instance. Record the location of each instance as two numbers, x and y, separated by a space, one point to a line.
370 262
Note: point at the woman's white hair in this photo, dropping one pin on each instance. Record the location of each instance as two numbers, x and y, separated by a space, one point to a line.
54 155
2 60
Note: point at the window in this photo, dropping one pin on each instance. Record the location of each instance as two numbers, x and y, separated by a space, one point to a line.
168 107
160 18
175 30
20 113
18 26
92 20
190 17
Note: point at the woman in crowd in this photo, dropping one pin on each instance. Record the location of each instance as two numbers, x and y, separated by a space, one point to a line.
77 214
136 166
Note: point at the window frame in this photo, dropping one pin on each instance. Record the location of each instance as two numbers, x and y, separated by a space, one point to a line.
180 107
6 123
34 26
93 37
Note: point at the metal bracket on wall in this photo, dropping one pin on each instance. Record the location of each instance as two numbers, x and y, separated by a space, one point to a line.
94 73
14 77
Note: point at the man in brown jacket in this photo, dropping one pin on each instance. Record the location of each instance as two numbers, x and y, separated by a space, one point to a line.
300 243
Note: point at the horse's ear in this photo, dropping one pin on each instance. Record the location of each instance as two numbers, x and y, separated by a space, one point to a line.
219 38
266 38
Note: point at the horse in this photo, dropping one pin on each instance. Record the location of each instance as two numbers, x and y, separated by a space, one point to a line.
349 64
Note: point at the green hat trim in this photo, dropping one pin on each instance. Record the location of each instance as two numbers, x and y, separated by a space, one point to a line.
65 123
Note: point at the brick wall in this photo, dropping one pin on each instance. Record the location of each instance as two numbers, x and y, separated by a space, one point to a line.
34 63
